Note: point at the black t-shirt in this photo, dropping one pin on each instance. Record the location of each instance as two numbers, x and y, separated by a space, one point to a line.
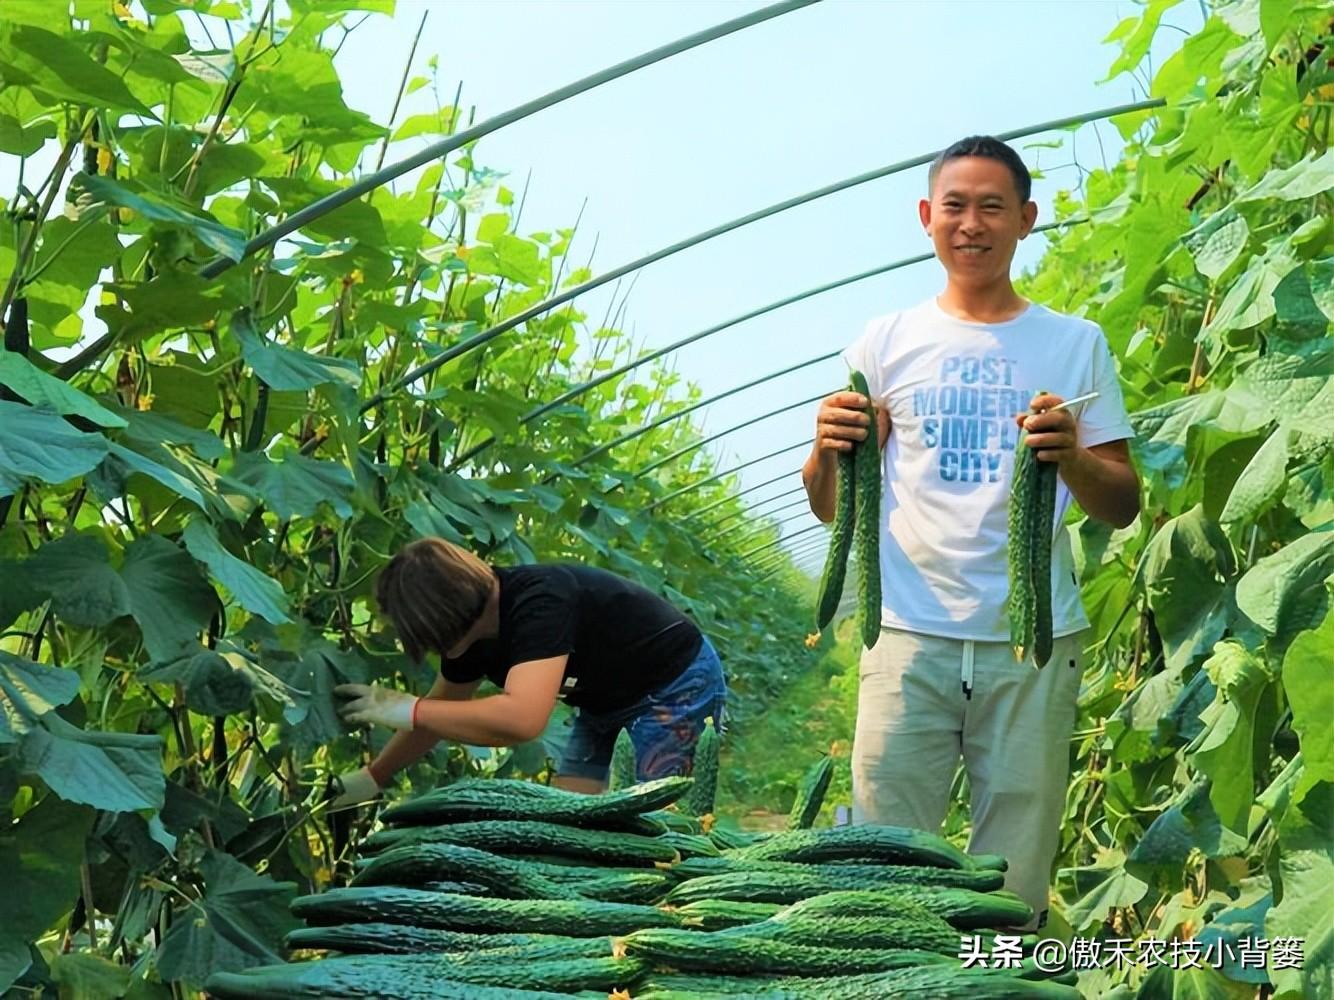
622 639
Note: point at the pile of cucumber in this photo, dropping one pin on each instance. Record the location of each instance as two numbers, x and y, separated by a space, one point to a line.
498 888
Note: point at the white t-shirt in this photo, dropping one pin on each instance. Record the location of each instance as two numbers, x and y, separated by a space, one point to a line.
952 389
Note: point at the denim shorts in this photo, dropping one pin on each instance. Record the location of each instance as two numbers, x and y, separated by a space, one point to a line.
663 725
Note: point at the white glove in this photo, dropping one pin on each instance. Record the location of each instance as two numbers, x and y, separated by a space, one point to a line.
354 788
379 706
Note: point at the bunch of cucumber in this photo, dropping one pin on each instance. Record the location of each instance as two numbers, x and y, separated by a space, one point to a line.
494 888
856 528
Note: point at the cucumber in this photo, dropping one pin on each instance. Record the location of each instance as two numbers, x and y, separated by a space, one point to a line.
524 837
962 908
716 914
789 881
787 887
726 951
473 800
704 769
394 905
373 977
623 770
810 794
866 533
896 844
690 845
405 939
412 864
909 925
840 540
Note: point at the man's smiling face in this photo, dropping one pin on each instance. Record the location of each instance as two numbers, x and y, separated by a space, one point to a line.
975 220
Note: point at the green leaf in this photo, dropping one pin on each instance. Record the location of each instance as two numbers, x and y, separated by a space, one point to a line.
1186 568
1260 485
286 367
1306 679
54 67
40 855
159 208
214 684
1101 889
30 691
1311 175
85 588
1285 593
168 597
1226 750
295 486
82 976
1225 930
18 140
1217 242
1250 299
118 772
1135 35
39 444
243 920
177 483
1189 824
1322 285
493 226
1274 17
1306 871
257 593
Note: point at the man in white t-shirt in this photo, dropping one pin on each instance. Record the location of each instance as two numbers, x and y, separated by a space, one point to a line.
953 380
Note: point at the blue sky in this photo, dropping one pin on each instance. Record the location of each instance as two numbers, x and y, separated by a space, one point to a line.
809 98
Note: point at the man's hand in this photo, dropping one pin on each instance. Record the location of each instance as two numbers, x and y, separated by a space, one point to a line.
378 706
353 788
1102 479
1051 435
841 422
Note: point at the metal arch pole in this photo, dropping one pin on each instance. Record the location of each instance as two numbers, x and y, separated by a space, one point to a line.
485 336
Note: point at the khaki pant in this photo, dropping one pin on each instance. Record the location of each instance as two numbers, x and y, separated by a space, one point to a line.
914 721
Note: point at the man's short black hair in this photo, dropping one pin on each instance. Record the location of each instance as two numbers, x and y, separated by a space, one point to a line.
992 148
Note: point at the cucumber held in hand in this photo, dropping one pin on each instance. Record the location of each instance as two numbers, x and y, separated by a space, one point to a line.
866 536
1031 511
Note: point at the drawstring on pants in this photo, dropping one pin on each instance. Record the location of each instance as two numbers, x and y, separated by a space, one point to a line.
966 672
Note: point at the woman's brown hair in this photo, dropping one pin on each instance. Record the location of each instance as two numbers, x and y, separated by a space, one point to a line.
433 592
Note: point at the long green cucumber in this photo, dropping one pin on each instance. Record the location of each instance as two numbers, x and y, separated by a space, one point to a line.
623 770
908 925
524 837
789 887
1044 510
700 799
394 905
810 794
406 939
961 908
835 875
361 977
937 981
716 914
413 864
866 535
474 800
725 951
1021 602
896 844
840 541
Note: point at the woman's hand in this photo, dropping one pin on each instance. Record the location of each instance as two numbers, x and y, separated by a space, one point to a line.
377 706
354 788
